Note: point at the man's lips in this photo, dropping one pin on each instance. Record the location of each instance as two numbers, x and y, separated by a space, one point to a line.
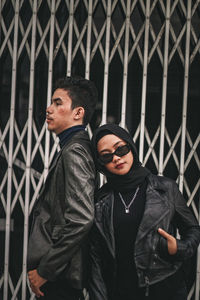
48 120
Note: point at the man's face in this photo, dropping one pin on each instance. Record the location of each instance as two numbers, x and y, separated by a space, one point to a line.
60 115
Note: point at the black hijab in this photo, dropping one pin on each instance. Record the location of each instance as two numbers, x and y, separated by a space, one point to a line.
137 173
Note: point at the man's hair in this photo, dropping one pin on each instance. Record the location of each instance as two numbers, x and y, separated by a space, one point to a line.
82 92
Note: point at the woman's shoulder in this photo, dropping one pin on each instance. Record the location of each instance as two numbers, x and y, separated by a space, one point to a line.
161 182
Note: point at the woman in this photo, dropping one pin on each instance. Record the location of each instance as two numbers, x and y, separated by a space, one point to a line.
134 252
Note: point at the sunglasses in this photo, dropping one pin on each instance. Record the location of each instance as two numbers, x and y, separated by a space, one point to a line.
120 151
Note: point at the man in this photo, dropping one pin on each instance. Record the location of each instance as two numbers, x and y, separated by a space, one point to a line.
64 211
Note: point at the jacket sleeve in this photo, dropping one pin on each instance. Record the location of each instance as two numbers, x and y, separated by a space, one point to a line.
189 229
78 210
187 225
97 287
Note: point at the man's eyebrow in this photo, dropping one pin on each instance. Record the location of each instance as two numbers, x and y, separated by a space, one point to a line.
55 99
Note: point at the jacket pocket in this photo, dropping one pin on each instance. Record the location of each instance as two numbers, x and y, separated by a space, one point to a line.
56 232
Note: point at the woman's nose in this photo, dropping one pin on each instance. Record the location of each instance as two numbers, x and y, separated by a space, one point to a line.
115 158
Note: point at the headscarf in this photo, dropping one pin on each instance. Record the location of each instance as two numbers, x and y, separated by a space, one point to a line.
137 173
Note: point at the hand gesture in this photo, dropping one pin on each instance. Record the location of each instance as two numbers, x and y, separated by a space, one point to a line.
36 281
171 241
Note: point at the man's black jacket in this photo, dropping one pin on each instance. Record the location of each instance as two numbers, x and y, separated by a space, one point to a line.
64 214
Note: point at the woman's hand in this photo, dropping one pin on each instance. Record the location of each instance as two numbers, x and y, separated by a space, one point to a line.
171 241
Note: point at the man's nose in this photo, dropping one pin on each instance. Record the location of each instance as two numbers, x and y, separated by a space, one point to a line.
49 109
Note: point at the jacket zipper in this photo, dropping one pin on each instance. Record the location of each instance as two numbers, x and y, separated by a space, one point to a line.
147 286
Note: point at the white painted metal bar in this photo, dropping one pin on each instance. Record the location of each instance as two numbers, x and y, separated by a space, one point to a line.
88 48
193 33
29 147
125 66
136 43
144 81
20 145
70 37
156 40
10 157
193 151
36 192
98 44
185 97
3 183
38 138
117 36
98 36
151 144
177 41
151 148
192 194
2 138
6 42
136 39
156 37
24 42
106 63
164 90
61 36
49 91
42 42
79 43
172 148
16 290
18 196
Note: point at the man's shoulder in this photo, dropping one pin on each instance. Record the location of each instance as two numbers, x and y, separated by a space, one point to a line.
79 144
103 192
80 138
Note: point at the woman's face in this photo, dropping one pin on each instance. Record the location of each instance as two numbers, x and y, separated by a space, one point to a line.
119 165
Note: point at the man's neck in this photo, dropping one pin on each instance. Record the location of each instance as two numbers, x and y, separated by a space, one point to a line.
67 134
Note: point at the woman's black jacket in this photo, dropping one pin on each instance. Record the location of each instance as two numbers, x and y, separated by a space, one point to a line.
165 208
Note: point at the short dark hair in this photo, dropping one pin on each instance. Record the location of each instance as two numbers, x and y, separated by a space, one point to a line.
82 92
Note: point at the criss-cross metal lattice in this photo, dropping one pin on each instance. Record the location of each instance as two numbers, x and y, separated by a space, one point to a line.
144 56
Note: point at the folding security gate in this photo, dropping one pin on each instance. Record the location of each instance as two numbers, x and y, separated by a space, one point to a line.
143 55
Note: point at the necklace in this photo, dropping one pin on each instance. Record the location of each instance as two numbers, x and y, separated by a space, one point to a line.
128 206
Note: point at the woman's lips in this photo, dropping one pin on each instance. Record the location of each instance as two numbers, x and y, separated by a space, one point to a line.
120 166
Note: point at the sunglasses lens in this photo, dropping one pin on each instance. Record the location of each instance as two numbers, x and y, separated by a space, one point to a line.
120 151
106 158
123 150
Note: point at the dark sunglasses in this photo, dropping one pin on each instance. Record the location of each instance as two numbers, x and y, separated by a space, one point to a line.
120 151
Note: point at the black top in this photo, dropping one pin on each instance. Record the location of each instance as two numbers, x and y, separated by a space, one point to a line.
67 134
125 229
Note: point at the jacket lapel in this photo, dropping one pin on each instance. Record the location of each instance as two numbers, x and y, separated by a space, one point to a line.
53 165
105 221
156 208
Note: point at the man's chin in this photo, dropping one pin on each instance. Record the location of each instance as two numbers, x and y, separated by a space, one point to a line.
50 128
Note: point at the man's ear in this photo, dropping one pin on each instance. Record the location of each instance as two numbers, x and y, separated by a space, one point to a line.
79 113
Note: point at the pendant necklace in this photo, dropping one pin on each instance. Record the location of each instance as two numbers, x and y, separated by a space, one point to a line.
128 206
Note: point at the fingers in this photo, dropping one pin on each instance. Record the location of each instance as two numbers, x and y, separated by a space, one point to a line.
36 291
36 282
165 234
171 241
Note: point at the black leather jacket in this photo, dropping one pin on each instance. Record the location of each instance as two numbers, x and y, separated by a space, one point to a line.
164 208
64 214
